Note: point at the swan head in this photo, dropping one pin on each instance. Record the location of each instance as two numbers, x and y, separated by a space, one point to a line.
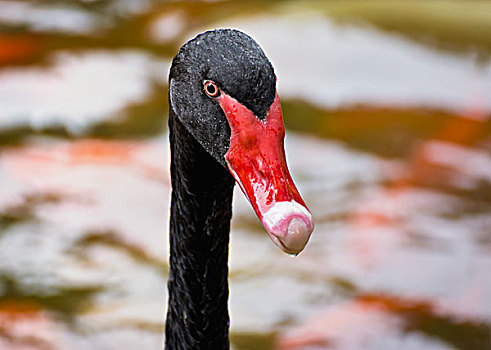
223 90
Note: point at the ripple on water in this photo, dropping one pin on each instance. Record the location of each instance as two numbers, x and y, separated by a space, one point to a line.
335 66
66 19
78 90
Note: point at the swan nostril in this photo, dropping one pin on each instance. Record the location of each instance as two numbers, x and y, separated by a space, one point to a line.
260 173
259 168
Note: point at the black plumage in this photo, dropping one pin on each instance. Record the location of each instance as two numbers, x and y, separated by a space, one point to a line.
236 63
201 204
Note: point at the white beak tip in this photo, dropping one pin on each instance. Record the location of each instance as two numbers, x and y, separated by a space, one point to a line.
289 225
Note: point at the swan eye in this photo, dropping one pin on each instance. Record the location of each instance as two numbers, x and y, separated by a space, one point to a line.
211 88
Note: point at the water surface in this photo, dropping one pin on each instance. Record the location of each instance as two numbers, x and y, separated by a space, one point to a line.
388 141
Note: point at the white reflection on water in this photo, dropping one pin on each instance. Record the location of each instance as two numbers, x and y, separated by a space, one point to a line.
395 241
338 65
48 18
353 326
469 165
78 89
168 26
96 184
32 327
96 177
400 239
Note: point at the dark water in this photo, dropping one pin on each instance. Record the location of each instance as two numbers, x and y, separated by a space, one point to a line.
388 112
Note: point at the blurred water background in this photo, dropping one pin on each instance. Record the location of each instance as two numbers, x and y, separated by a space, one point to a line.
387 106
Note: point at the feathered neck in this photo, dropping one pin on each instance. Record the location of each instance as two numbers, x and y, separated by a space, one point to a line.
201 209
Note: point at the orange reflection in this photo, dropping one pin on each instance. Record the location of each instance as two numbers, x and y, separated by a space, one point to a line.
362 322
25 326
101 151
433 162
35 163
14 49
346 325
373 223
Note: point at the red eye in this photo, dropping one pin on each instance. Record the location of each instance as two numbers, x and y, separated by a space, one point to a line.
211 88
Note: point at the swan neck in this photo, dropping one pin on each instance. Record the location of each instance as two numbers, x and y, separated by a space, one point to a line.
201 209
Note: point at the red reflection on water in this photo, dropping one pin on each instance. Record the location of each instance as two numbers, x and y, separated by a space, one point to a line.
14 49
375 224
35 164
434 162
366 320
382 211
346 325
438 161
101 151
25 326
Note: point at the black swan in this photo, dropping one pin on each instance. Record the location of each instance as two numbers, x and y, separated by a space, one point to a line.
226 126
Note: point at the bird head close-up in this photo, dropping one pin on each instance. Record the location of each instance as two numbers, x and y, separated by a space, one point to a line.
226 126
222 88
245 175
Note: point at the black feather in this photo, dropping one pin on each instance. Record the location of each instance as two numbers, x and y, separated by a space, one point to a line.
202 187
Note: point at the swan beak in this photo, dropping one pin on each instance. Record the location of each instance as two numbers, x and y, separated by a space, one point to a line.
256 159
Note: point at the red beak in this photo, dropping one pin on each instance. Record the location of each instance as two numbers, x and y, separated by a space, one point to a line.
256 159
